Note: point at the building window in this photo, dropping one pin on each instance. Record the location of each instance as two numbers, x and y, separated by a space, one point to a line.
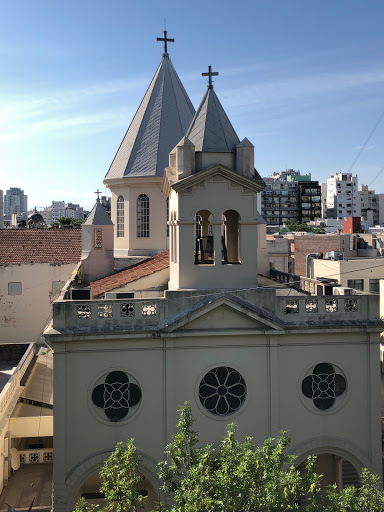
14 288
374 285
357 284
222 391
98 238
143 216
324 385
120 216
116 395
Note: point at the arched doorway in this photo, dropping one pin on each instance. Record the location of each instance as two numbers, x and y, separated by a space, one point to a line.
335 470
90 490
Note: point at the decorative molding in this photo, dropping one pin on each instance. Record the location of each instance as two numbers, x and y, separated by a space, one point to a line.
332 445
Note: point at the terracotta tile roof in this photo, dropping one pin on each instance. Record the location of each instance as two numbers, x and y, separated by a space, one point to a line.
27 246
142 269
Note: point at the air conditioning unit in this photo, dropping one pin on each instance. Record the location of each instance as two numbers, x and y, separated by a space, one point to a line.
343 290
81 294
334 255
119 295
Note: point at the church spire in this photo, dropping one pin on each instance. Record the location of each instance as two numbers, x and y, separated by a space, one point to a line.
160 122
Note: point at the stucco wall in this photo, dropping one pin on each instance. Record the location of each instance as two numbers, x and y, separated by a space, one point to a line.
23 317
130 244
169 370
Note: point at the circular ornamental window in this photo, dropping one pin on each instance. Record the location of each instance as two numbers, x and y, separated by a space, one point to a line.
324 385
222 391
116 396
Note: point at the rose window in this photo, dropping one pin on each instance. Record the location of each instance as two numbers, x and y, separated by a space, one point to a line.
324 385
222 391
117 395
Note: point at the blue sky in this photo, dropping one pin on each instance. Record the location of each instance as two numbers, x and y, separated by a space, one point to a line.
302 80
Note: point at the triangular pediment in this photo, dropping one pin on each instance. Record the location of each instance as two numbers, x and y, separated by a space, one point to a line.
221 314
219 173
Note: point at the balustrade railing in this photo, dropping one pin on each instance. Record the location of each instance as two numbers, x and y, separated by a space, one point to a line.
38 456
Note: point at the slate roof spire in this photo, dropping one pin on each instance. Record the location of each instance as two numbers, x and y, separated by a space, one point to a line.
210 129
98 216
160 122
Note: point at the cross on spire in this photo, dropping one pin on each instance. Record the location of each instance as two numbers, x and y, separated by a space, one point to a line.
210 74
166 40
97 192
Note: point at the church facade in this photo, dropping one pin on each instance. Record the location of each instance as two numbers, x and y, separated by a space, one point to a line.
210 330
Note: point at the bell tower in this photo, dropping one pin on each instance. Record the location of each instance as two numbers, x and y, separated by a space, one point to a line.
212 188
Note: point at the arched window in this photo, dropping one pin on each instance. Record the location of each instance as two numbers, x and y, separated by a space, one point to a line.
230 238
204 246
143 216
120 216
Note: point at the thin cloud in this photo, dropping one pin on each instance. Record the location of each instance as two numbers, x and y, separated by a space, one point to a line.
366 148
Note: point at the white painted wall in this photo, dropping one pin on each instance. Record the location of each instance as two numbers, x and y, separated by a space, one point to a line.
169 370
130 244
23 317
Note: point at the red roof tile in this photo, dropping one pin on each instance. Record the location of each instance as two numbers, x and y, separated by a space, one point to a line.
128 275
28 246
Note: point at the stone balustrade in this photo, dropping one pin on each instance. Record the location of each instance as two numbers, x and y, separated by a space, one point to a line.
38 456
146 314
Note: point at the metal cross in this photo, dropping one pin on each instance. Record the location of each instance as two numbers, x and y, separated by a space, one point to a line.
97 192
166 40
210 74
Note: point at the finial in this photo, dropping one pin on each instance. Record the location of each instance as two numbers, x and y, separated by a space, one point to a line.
166 40
210 74
97 192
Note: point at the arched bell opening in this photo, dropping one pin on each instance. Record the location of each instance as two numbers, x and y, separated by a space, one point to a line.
204 243
230 237
90 490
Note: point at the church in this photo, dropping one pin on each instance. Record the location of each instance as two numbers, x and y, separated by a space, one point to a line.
171 303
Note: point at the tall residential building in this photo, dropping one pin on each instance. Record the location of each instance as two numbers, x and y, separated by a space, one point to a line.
371 205
342 196
74 211
290 196
15 201
58 210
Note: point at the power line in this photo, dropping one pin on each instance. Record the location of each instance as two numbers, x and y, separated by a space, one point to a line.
366 142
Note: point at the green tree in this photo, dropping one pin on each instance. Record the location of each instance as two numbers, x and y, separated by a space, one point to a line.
68 221
120 479
232 477
236 477
302 226
241 477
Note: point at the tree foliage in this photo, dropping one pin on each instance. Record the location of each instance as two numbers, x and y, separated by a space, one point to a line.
231 477
241 477
68 221
236 476
302 226
120 479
